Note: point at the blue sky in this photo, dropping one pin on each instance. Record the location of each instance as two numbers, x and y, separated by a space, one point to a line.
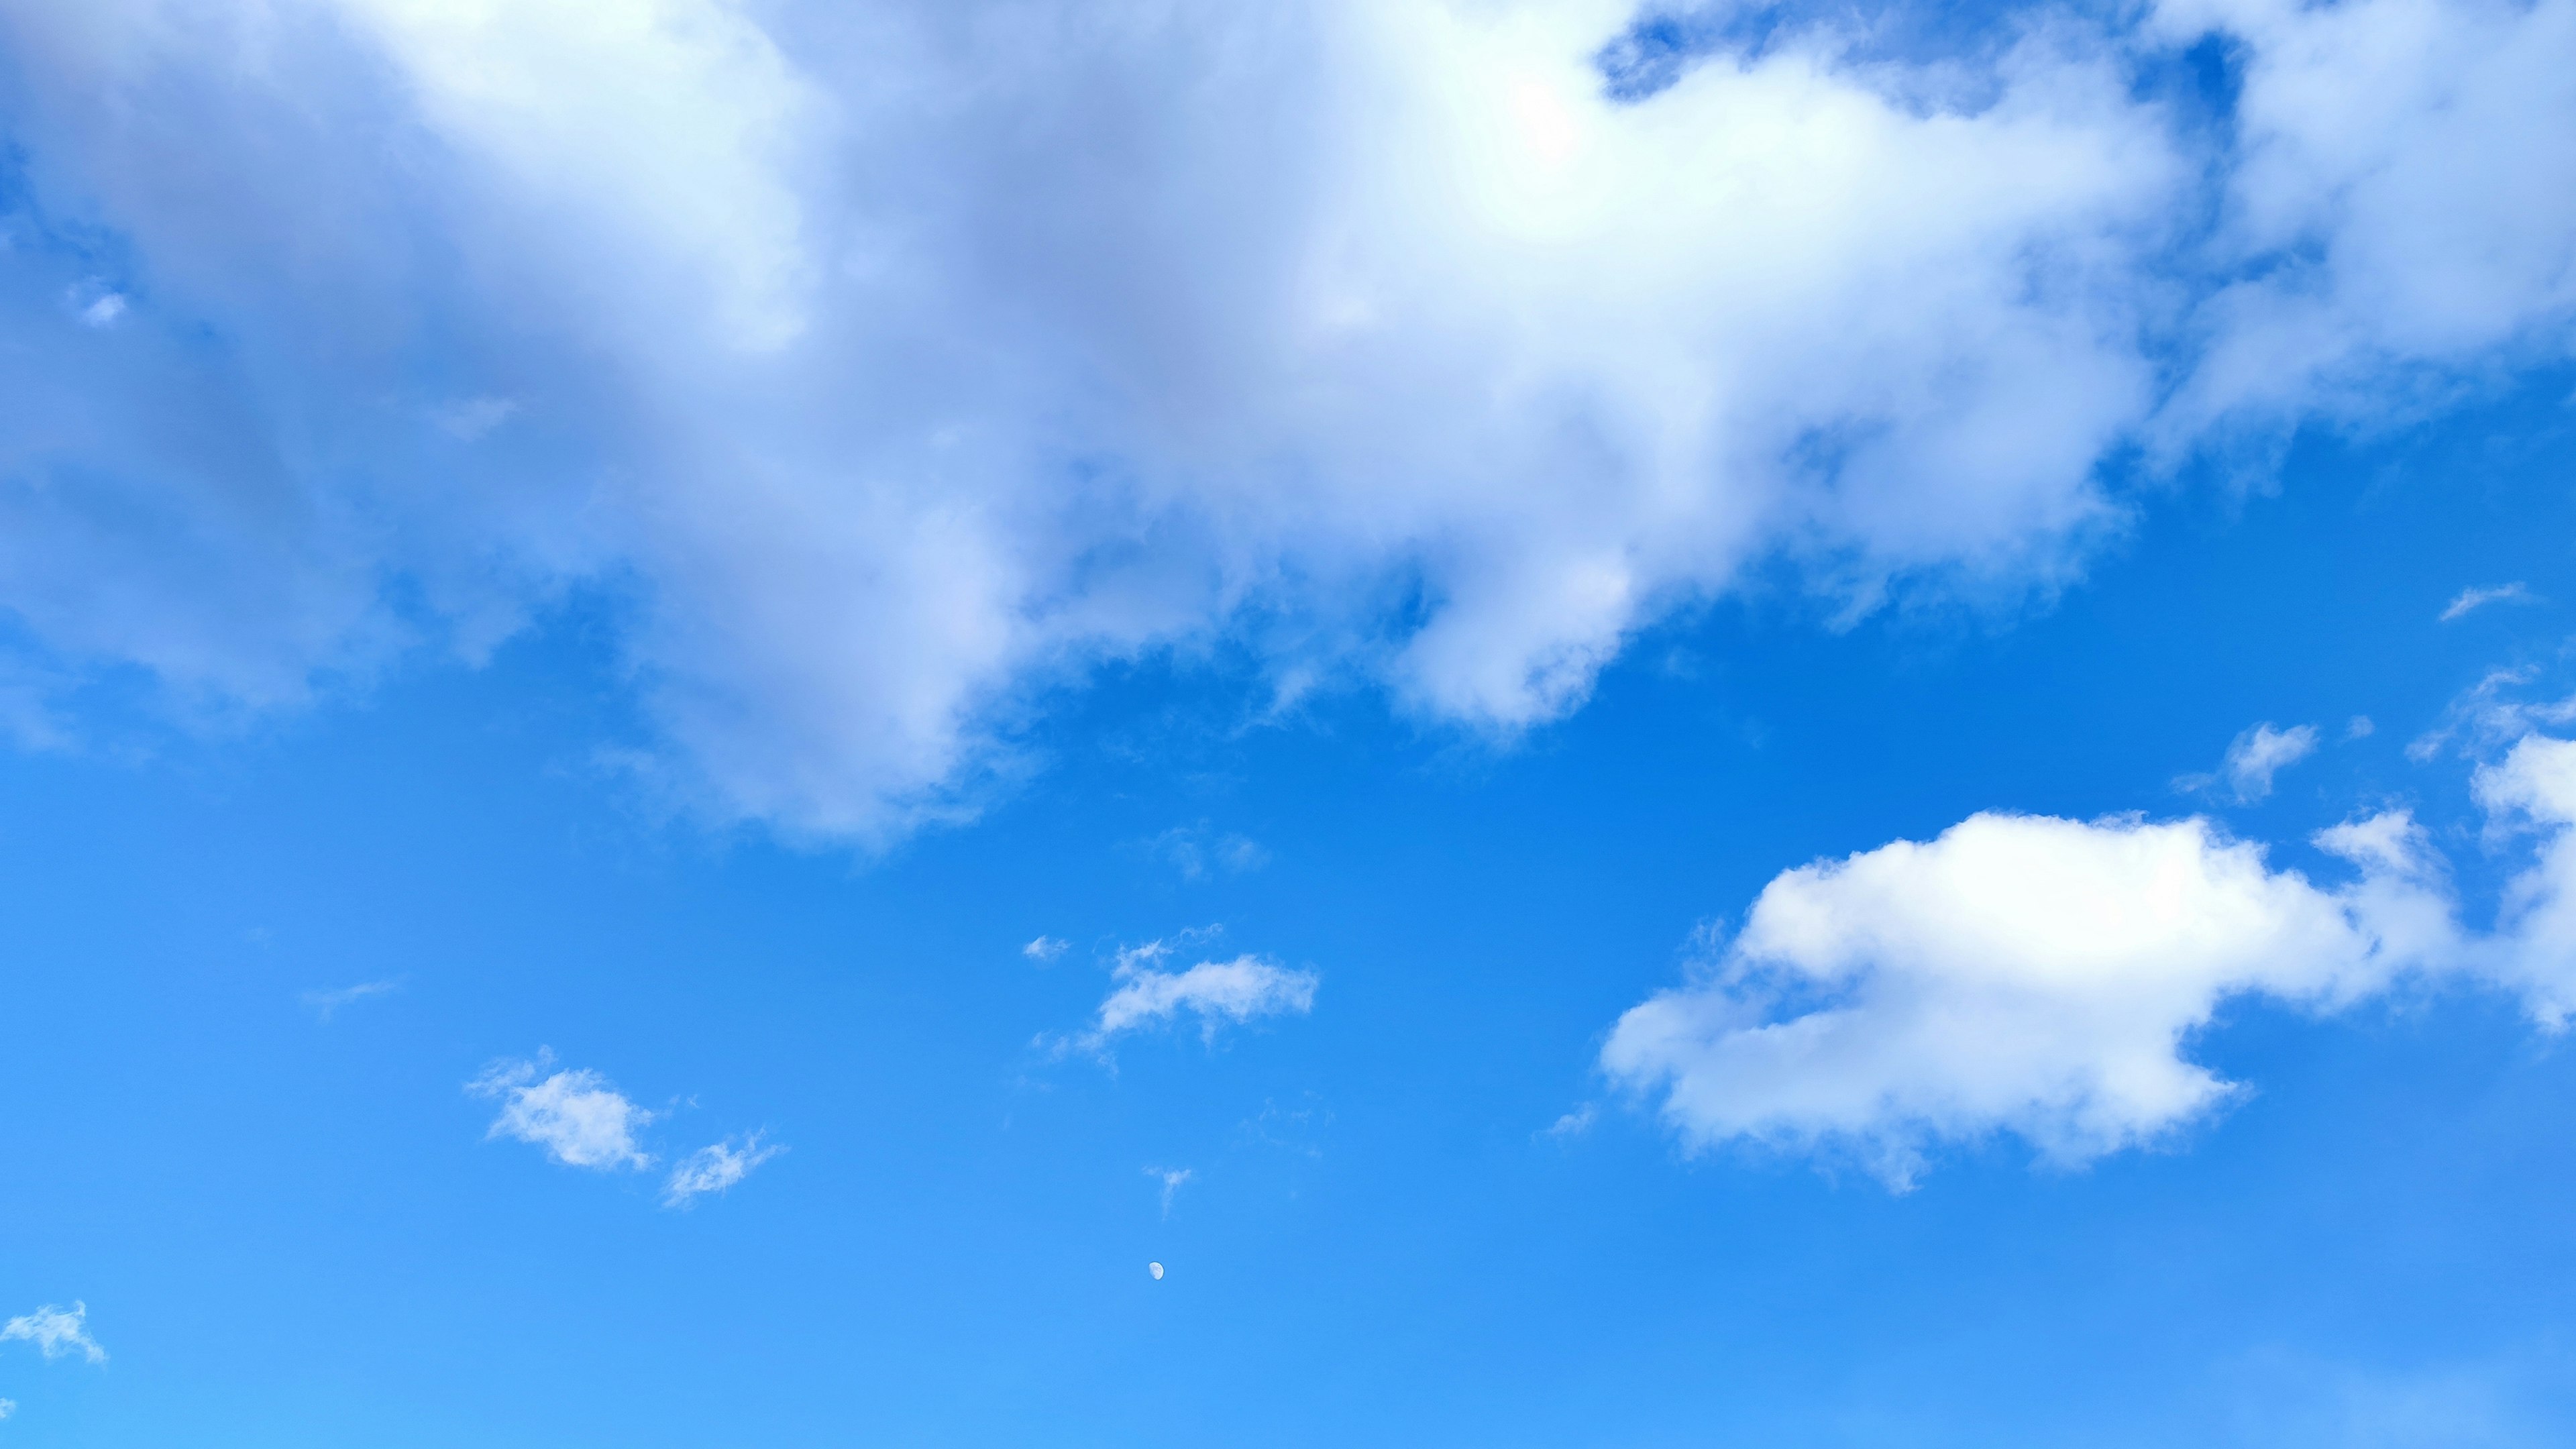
713 709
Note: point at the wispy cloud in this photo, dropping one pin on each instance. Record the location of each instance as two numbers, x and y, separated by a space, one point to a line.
56 1331
2473 599
1198 853
715 1168
1043 949
1171 1178
325 1003
1216 993
576 1116
2257 755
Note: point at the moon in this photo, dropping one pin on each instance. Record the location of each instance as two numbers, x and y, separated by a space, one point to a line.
1156 1269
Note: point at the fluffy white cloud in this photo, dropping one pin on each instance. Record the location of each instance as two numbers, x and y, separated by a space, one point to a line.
576 1116
715 1168
1214 992
2534 945
56 1331
2043 977
899 360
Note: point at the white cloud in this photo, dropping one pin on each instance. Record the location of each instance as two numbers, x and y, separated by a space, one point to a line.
326 1003
2043 977
1215 992
1044 948
1171 1179
2019 973
8 1407
2534 946
576 1116
2262 752
714 1168
56 1331
908 362
2488 716
2470 599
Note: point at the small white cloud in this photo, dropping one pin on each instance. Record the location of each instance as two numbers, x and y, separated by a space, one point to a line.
576 1116
2022 974
469 420
1171 1178
1215 992
2360 729
2471 599
715 1168
2254 757
8 1407
104 311
57 1331
324 1003
1573 1124
1044 948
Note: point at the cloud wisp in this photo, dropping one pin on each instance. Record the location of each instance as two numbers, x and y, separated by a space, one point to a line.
957 380
2471 600
56 1331
1170 1181
2042 977
327 1004
1216 994
715 1168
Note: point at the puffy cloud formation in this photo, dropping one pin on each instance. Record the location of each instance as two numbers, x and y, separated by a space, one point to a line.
56 1331
894 361
715 1167
2042 976
1215 992
576 1116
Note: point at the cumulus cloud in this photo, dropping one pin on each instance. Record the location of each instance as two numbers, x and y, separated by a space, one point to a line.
2472 599
576 1116
56 1331
900 363
715 1168
1216 993
2043 977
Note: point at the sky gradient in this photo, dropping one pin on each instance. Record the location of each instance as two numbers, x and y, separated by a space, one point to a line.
1740 725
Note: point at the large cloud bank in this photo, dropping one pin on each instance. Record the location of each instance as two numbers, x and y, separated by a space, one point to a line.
899 360
2043 977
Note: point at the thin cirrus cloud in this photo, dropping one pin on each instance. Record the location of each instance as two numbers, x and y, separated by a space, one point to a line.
715 1168
2041 977
900 364
2470 600
56 1331
1215 994
2257 755
327 1004
580 1120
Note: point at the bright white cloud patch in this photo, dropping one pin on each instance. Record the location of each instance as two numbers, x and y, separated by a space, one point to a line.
576 1116
715 1168
2043 977
908 358
2474 599
1214 993
56 1331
